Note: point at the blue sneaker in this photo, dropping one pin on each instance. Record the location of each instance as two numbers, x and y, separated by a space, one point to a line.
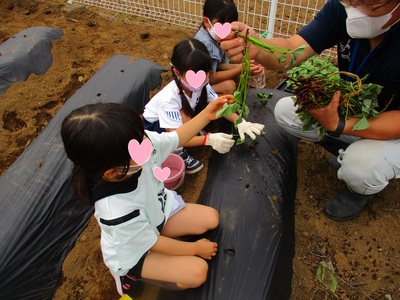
192 165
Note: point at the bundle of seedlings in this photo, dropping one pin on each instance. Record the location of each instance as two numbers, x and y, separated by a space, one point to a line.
316 80
238 105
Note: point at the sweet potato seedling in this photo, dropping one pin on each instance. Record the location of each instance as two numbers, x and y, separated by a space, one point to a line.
240 95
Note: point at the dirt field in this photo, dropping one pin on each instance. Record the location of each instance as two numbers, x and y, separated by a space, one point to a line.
364 253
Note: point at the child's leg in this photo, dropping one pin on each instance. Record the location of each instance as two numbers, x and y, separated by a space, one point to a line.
224 87
185 271
193 219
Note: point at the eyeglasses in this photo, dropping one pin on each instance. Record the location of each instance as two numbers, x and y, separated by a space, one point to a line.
372 7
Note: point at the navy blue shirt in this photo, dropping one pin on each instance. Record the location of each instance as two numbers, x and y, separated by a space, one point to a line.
383 64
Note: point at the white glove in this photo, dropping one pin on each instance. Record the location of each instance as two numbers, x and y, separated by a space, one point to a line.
221 142
250 128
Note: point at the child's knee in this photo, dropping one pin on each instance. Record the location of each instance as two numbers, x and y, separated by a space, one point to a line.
213 218
231 86
199 272
197 276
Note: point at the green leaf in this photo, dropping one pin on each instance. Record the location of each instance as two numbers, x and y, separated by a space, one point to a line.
361 124
238 121
299 50
326 277
281 58
239 141
227 110
264 97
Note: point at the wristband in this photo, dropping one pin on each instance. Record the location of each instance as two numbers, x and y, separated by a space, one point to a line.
205 138
339 129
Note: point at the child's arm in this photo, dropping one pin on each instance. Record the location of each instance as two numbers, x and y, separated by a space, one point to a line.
203 247
231 73
228 66
188 130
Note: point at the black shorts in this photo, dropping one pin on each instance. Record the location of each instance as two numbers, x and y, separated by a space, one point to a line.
129 281
153 126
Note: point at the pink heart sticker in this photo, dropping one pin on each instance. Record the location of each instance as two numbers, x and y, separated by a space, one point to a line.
195 79
222 30
162 174
140 153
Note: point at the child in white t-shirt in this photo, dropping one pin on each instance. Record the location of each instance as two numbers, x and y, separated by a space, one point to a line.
139 218
179 101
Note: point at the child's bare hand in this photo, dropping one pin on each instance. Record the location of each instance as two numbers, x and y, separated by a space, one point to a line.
206 249
213 107
256 69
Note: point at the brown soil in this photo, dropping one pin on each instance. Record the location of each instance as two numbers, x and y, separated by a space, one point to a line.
364 253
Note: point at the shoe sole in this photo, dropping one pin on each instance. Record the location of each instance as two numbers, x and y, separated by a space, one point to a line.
199 168
338 219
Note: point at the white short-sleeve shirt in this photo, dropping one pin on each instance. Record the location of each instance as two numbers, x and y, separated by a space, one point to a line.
166 105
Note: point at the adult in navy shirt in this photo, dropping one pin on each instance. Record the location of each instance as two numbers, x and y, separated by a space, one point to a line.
367 36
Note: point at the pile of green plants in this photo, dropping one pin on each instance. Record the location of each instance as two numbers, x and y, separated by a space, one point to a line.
316 80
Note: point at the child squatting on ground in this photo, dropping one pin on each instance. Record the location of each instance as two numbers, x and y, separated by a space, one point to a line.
139 218
224 75
179 101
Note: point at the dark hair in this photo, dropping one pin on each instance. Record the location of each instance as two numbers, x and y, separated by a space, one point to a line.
222 10
96 138
191 54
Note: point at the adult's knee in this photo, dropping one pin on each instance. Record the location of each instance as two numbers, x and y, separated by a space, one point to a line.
364 168
284 111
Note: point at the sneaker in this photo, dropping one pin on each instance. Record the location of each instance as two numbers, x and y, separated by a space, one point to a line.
192 165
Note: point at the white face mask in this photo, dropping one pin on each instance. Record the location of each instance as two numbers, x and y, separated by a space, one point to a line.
211 31
362 26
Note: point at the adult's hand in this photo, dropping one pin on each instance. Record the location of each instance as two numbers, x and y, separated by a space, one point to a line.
328 116
234 46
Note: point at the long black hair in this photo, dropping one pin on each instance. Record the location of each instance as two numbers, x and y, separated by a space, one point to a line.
222 10
191 54
96 138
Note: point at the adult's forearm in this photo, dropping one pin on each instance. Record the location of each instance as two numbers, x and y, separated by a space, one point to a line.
271 62
385 126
